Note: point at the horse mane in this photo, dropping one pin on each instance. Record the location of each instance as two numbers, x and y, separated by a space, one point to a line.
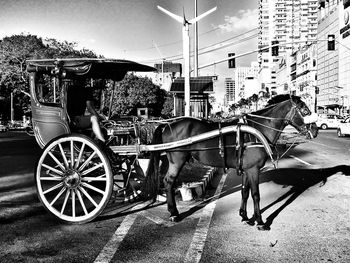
275 100
282 97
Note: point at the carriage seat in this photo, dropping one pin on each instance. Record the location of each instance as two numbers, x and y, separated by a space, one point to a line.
74 129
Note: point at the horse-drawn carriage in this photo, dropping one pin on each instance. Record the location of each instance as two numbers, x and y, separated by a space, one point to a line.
76 177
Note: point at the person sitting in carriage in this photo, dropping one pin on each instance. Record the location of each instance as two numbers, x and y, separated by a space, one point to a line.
80 99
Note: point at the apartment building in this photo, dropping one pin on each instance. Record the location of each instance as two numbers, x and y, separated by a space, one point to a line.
230 91
243 84
293 23
333 80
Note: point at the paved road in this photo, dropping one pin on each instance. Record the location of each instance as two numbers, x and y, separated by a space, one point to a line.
309 224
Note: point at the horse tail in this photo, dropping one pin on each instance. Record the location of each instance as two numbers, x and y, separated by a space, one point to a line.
151 184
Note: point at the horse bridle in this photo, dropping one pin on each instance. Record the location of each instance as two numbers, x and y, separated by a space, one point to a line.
288 120
291 114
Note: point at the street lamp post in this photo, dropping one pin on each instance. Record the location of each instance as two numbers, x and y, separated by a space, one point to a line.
186 49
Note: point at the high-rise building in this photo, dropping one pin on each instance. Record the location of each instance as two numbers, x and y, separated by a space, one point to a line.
242 84
293 23
230 90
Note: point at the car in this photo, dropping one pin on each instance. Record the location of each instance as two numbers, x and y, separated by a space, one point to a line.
326 121
3 128
344 127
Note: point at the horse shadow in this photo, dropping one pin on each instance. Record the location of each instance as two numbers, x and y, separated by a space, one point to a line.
300 180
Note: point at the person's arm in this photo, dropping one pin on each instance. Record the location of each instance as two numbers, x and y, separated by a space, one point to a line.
91 108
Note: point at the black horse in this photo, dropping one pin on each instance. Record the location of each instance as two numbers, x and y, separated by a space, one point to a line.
220 151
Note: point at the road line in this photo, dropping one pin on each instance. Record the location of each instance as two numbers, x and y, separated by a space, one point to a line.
325 145
195 250
113 244
300 160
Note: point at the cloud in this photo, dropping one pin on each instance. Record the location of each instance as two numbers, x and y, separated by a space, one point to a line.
246 19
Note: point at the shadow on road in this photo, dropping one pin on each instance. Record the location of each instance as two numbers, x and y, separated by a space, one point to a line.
300 180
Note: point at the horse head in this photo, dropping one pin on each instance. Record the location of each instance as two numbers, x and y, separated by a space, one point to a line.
301 118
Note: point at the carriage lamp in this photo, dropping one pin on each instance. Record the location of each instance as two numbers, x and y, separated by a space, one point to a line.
59 72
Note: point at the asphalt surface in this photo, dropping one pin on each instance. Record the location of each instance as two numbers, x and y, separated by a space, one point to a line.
305 203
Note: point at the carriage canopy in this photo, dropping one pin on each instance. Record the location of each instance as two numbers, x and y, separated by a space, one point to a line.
98 68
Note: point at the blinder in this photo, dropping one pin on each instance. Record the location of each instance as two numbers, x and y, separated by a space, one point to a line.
303 112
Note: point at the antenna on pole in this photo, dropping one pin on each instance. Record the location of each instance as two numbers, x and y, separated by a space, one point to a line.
163 59
186 48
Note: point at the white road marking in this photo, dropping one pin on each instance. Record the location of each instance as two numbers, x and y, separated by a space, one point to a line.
112 245
300 160
195 250
325 145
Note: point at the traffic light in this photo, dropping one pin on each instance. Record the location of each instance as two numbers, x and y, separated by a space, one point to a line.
317 90
231 62
331 42
274 49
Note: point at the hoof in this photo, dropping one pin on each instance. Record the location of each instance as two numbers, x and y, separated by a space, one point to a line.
248 222
263 227
174 218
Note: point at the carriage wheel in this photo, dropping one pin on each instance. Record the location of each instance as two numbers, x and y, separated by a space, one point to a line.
128 179
74 179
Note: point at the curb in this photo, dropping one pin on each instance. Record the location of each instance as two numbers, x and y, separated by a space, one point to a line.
197 189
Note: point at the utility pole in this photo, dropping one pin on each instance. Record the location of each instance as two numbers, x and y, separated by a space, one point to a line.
186 49
195 56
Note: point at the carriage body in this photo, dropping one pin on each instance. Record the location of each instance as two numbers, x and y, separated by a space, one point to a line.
48 82
75 176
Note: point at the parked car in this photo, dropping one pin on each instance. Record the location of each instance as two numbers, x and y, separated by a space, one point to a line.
3 128
326 121
344 127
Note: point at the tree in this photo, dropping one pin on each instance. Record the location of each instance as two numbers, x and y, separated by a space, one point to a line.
14 53
136 92
168 107
254 100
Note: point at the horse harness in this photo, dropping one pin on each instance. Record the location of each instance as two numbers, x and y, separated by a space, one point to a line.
238 147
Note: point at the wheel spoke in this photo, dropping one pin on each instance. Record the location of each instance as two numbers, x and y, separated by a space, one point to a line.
56 161
53 188
81 201
72 153
52 169
79 156
65 201
58 196
92 169
88 196
93 188
64 156
86 162
73 203
52 178
94 179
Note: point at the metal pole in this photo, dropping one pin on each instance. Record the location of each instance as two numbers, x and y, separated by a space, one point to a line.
12 111
186 55
54 90
195 58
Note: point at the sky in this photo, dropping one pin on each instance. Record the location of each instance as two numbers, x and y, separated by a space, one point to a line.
137 30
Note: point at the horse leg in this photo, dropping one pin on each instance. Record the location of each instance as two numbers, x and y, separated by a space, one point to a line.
169 180
245 196
253 177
